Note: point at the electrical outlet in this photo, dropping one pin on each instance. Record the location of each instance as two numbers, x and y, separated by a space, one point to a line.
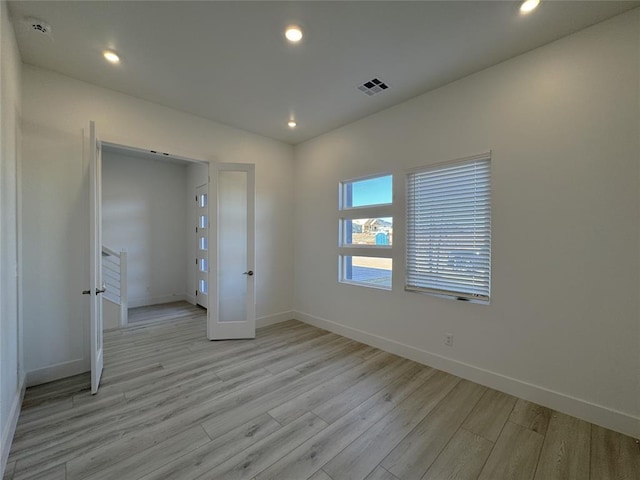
448 339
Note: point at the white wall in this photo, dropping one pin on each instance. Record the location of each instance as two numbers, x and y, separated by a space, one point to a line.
11 368
143 211
563 326
56 109
197 175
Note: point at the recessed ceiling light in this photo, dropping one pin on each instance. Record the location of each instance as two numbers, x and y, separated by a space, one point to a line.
293 34
529 5
111 56
292 124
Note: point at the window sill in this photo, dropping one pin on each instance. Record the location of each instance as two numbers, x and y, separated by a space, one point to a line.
449 296
366 285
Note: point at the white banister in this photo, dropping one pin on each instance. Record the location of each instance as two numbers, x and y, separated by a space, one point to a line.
108 251
124 297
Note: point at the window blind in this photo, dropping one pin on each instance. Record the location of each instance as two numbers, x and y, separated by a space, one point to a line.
449 229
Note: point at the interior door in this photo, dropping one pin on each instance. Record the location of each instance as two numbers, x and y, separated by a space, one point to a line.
96 286
202 247
232 311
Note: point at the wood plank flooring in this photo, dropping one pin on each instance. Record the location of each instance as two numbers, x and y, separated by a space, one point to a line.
163 311
296 403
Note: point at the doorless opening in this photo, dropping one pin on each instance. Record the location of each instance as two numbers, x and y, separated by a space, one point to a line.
151 262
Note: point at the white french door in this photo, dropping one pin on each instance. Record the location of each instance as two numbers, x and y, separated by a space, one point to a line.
202 245
232 311
96 286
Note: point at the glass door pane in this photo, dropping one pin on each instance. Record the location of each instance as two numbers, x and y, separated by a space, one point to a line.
232 246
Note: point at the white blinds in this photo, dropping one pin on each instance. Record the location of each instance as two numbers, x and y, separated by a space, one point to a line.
449 229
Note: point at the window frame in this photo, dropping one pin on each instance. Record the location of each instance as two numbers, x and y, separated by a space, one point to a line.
444 293
384 210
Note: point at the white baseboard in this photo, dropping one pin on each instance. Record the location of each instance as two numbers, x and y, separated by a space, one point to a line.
56 372
272 319
190 298
598 414
10 428
146 301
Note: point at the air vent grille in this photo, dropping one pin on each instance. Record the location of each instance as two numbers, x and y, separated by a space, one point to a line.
38 25
373 87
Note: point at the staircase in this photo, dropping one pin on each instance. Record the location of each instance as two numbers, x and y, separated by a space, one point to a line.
114 300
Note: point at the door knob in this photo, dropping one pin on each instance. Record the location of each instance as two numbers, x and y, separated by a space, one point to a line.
250 273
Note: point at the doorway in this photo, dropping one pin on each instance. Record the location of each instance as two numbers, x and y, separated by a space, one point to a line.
147 203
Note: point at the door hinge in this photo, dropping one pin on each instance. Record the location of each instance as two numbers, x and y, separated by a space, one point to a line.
196 293
196 198
196 261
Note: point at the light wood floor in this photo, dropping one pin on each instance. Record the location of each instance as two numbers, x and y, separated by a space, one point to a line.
296 403
163 311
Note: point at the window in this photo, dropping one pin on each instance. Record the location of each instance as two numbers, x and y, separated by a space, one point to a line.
367 231
204 265
449 229
367 192
365 228
369 271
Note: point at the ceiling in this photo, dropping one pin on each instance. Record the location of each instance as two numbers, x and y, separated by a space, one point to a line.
229 61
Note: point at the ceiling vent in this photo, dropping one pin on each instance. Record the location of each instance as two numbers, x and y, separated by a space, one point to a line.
38 26
372 87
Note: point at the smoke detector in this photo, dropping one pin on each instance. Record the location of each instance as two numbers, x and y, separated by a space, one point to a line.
38 25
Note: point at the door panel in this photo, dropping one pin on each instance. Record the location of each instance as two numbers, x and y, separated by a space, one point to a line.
95 257
232 246
233 315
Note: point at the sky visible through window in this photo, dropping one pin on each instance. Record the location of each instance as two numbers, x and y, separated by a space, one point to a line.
374 191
